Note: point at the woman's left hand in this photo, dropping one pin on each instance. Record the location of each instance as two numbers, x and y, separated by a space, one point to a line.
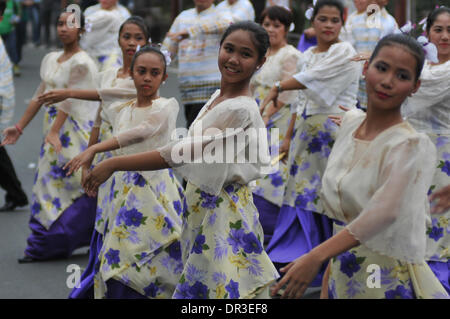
299 274
97 177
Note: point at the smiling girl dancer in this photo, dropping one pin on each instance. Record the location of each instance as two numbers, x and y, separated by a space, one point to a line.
428 112
141 250
376 184
222 237
62 216
327 79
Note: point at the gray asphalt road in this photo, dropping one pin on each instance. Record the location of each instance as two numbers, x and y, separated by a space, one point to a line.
43 280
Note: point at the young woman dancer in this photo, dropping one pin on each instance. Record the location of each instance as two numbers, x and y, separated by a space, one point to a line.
114 84
140 250
281 64
327 79
428 112
375 186
62 216
222 238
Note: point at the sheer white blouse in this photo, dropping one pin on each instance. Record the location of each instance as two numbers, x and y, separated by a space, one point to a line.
112 89
142 129
382 196
428 110
330 78
278 67
78 72
227 144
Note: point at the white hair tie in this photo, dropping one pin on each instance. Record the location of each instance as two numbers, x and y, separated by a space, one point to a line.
431 52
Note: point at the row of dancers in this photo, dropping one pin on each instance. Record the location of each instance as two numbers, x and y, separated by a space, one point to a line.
352 192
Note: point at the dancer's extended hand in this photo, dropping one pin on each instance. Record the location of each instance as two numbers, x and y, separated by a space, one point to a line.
11 135
299 275
53 96
83 159
96 177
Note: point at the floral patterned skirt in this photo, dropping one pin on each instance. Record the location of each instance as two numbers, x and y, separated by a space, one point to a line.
104 191
308 156
222 246
361 273
53 191
141 247
272 186
438 233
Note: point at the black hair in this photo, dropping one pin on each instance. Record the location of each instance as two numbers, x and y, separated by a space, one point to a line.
149 48
138 21
406 41
82 19
332 3
278 13
434 15
259 35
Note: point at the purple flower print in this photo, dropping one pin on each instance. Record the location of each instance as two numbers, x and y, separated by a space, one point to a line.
209 201
35 208
52 111
233 289
349 265
197 248
399 293
112 256
252 244
56 172
132 217
175 250
139 180
294 169
177 206
315 145
65 140
199 291
446 167
308 196
276 178
436 233
183 291
236 239
57 203
151 290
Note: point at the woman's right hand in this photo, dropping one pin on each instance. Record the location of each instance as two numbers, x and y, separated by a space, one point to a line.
53 96
81 160
11 135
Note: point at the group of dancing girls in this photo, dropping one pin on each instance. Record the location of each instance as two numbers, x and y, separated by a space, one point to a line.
105 170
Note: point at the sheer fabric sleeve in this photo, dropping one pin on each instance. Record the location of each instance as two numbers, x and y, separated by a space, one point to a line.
288 69
394 221
326 80
77 76
224 150
40 90
160 121
434 88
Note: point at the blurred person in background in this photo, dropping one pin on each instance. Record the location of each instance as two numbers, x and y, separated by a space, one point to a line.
15 196
11 18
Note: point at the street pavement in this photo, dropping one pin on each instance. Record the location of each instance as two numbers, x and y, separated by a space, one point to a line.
49 279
